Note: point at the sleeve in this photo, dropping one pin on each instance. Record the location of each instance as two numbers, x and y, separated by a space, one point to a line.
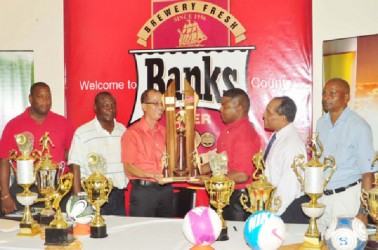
7 141
69 135
78 153
365 150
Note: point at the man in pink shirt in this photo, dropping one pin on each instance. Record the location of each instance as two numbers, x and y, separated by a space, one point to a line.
37 119
143 145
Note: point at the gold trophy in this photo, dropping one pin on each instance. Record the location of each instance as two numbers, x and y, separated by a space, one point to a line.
47 178
313 185
59 232
220 189
260 191
370 202
25 178
98 189
181 168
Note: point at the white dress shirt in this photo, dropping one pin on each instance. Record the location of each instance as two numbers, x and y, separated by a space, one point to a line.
287 145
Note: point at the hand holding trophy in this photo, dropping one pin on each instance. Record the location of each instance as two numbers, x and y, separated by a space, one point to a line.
220 189
25 178
98 189
313 184
260 191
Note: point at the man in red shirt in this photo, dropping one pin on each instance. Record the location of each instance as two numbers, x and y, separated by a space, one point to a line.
241 142
143 146
36 119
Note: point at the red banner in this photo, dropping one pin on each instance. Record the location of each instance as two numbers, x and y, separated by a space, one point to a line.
125 47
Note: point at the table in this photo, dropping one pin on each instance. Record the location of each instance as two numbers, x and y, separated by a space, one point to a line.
138 233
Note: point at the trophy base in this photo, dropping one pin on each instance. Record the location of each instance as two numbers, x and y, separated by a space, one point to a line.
181 173
45 219
372 242
29 229
59 236
98 232
223 235
311 243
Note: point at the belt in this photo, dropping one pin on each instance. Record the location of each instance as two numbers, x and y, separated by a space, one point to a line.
145 183
342 189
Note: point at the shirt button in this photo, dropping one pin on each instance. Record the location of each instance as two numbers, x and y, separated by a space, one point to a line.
228 132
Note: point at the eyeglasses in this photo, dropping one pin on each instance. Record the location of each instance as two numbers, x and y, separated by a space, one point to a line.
156 104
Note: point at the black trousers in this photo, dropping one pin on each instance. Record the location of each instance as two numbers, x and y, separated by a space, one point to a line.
151 201
294 212
235 211
115 204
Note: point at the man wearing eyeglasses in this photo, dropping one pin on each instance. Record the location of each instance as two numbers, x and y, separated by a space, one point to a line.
143 145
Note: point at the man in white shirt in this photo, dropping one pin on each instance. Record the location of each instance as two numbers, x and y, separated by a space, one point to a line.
286 144
101 136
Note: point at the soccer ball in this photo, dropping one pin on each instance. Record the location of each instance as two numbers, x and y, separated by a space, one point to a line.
202 226
346 233
264 230
79 210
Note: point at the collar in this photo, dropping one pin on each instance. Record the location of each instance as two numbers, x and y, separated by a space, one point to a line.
284 130
344 115
100 128
237 123
146 127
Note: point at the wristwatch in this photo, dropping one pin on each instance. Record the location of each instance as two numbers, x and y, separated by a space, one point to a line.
363 211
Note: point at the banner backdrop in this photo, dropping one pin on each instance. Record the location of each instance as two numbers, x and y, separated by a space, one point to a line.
125 47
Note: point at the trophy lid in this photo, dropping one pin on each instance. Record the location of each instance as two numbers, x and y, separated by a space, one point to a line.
96 163
261 184
218 164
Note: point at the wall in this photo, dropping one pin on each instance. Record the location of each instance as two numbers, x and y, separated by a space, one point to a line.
38 25
334 20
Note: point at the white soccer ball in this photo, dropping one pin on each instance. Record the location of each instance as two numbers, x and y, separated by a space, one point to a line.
264 230
79 210
346 233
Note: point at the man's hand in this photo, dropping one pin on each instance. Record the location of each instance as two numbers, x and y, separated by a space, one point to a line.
363 218
8 205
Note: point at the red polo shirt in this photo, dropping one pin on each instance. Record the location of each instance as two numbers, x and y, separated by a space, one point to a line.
241 142
59 128
144 146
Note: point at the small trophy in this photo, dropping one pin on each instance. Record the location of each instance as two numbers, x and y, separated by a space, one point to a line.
260 191
25 178
47 178
370 202
181 168
220 189
313 185
59 232
98 189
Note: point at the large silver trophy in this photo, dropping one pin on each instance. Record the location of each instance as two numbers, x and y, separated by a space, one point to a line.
313 185
98 189
220 189
25 178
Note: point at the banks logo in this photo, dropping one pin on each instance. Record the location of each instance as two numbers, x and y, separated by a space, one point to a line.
191 40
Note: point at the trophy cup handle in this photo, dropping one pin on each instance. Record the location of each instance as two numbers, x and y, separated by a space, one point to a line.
62 167
298 162
364 199
12 157
243 200
110 187
277 202
329 162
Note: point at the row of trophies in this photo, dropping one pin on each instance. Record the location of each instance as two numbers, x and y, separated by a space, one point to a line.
261 192
34 166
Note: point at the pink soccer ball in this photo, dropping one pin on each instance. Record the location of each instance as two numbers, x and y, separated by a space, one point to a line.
202 226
